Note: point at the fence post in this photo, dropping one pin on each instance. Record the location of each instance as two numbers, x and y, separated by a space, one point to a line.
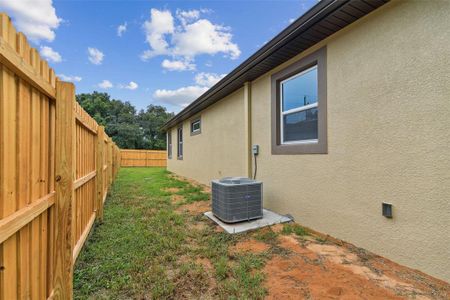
65 123
110 170
113 160
99 182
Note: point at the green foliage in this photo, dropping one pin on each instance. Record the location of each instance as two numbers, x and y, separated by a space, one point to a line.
268 236
290 228
128 129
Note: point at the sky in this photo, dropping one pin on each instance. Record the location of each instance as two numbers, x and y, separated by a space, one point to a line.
149 52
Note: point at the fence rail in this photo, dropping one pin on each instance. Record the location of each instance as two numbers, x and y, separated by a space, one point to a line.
56 166
143 158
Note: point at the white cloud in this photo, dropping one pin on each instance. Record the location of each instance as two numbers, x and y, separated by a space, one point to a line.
160 24
69 78
121 29
130 86
180 97
291 20
208 79
37 18
50 54
95 56
186 16
177 65
105 84
194 36
203 37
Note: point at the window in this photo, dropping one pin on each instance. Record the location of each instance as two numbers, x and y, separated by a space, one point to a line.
299 107
196 126
180 143
169 144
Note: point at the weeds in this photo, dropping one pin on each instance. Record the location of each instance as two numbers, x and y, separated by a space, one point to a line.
136 252
293 228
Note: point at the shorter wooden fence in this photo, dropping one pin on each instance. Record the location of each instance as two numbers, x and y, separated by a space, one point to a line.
143 158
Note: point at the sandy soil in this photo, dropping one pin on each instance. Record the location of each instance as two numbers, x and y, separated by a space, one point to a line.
251 245
176 199
329 271
195 208
172 190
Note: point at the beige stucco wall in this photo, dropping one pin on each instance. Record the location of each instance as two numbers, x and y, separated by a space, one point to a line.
388 139
219 150
388 136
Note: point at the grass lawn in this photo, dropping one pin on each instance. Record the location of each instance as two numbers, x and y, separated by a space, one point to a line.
146 248
155 243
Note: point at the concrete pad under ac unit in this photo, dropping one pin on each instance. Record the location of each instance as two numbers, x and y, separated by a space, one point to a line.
269 218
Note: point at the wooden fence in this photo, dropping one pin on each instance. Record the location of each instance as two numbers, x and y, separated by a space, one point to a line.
56 165
143 158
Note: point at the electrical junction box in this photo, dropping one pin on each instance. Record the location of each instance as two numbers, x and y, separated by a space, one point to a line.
255 149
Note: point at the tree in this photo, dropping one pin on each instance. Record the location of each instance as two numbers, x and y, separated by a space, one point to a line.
128 129
150 121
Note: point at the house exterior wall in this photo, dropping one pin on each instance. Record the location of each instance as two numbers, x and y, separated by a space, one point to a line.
388 116
219 150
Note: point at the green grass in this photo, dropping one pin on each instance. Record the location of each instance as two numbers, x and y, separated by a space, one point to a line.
293 228
145 248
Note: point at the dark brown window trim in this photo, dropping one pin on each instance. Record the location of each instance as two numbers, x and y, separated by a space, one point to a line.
318 58
192 122
180 157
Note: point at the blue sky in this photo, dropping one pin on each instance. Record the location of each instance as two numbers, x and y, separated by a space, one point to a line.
167 53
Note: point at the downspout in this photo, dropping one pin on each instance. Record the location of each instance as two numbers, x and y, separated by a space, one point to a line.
248 127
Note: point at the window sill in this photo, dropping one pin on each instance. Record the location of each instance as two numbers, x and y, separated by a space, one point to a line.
195 132
300 148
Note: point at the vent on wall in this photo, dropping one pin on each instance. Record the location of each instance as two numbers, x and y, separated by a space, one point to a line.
236 199
387 210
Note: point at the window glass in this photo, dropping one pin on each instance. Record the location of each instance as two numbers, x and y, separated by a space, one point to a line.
300 90
180 142
169 144
301 126
195 126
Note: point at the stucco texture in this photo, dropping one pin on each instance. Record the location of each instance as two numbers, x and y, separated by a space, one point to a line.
388 87
219 150
388 92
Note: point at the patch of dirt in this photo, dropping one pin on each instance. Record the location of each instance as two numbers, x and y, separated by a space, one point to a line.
171 190
342 271
251 245
206 263
219 229
277 228
195 208
175 199
293 278
197 226
430 287
290 242
334 253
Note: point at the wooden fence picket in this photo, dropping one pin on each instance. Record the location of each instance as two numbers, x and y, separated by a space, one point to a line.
143 158
56 167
